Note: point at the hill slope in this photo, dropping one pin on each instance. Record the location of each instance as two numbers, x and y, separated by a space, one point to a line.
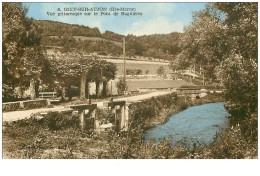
68 37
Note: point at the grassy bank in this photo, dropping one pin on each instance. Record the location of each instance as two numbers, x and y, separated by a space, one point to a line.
58 136
148 113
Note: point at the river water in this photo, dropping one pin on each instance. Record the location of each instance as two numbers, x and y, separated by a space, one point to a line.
200 123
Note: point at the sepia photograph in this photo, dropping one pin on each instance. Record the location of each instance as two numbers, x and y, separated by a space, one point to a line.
133 80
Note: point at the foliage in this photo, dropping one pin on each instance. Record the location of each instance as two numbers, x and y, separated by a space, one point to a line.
180 62
240 67
58 136
203 43
101 70
222 39
223 36
121 85
162 46
161 71
112 36
80 38
31 141
134 71
51 28
70 67
142 112
23 57
47 74
105 116
68 71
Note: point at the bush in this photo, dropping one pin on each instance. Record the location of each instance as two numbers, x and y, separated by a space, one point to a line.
52 121
121 86
134 71
105 116
141 112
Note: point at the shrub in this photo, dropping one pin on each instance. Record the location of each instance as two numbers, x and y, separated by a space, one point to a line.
141 112
52 121
121 85
105 116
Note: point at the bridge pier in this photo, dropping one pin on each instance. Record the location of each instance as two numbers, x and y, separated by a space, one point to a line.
87 115
124 117
120 109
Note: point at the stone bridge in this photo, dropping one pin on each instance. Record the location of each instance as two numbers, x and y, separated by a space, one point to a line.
88 120
191 93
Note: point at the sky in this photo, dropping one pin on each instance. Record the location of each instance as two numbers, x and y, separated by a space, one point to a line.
156 18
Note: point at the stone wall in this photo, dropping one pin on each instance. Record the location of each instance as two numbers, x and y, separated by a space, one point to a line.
30 104
12 106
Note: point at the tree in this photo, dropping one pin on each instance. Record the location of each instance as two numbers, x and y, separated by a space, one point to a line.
180 62
23 57
204 42
68 43
240 66
109 72
72 71
161 71
77 70
95 74
121 86
139 71
223 38
101 71
47 74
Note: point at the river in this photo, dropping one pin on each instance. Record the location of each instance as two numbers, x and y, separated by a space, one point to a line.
200 123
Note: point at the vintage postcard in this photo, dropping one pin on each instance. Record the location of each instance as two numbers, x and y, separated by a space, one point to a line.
113 80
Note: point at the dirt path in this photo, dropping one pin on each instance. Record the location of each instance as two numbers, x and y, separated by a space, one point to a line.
17 115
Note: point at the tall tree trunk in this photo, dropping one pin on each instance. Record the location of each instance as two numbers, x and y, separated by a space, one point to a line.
87 89
97 87
190 75
100 89
104 91
194 71
37 88
83 85
63 94
69 93
32 89
203 79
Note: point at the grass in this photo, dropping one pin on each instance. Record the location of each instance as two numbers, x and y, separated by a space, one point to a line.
57 136
72 144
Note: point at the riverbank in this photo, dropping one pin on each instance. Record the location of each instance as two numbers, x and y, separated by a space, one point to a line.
179 105
58 137
198 123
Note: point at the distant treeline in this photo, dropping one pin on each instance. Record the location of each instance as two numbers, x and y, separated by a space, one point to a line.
53 28
70 37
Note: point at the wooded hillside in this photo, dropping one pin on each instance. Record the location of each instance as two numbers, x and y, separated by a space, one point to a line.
69 37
